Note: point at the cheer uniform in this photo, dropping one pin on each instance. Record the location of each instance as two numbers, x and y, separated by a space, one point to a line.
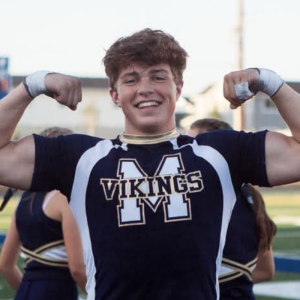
240 254
47 275
152 211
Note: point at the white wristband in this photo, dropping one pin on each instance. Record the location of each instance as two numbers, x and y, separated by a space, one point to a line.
35 83
269 82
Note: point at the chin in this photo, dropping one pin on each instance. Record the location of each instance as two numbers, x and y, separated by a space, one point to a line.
151 129
153 125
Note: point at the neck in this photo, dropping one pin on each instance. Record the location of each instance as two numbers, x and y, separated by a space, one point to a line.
149 139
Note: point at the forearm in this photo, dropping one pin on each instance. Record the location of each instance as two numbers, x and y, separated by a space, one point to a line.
287 102
13 276
64 89
80 278
12 108
265 267
261 275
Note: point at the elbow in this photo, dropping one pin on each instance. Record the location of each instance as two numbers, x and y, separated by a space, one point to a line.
269 275
3 267
263 276
6 265
77 273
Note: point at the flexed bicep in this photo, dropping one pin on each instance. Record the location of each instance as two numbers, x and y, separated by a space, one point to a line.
17 163
282 159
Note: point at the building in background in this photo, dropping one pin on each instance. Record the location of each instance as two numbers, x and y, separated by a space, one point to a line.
259 113
96 115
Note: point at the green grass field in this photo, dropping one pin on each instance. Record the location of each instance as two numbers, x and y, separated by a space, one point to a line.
283 206
5 215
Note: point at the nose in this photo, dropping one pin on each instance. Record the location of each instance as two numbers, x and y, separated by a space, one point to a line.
146 87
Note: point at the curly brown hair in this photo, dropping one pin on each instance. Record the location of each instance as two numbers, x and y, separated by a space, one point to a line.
149 47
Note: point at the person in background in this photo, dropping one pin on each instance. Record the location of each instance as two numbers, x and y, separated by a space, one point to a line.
247 256
44 229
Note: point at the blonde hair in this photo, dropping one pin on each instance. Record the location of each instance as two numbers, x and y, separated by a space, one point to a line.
55 131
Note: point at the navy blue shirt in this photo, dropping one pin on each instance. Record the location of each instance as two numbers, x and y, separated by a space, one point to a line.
153 217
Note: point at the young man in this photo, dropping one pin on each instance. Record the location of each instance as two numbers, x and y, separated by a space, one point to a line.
152 206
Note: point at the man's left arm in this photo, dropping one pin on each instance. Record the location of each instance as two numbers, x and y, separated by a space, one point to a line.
282 152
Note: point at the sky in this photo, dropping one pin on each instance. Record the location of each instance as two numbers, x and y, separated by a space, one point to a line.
70 36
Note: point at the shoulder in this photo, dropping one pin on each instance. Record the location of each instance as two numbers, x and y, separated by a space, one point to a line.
230 138
55 204
68 147
66 139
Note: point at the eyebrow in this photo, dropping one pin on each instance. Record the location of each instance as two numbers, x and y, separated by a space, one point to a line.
135 73
158 71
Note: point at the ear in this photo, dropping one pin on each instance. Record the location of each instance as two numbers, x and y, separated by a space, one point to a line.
114 96
179 89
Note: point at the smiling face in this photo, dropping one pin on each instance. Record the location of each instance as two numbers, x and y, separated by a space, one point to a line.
147 96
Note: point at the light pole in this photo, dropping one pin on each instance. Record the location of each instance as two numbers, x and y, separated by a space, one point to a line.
238 114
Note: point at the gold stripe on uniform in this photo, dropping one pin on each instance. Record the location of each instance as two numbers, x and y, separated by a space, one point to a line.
37 255
236 270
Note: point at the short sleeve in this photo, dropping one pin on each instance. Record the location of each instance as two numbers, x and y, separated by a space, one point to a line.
244 153
56 159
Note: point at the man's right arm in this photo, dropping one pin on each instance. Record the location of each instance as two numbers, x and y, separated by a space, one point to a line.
17 157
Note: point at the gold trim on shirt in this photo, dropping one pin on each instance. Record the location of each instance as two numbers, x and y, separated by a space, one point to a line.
148 139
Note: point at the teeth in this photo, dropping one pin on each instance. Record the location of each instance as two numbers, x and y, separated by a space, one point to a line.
147 104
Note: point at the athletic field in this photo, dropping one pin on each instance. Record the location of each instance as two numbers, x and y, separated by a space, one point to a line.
283 205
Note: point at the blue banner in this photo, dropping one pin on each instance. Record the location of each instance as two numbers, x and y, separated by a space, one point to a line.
5 78
4 61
